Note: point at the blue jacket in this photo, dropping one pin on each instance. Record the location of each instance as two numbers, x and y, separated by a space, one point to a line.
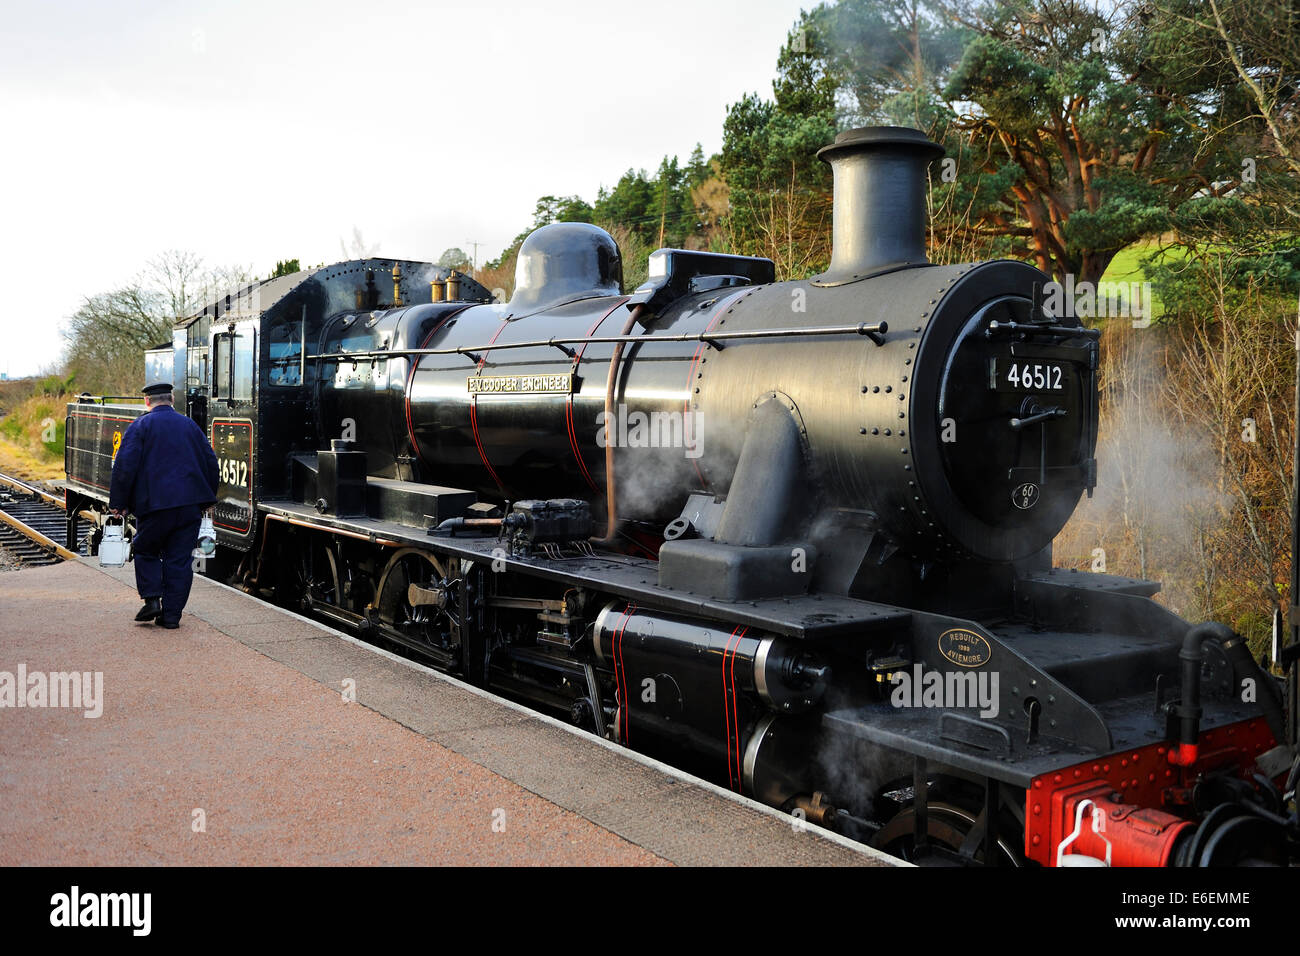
164 461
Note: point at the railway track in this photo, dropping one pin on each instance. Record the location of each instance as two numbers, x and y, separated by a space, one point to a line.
31 524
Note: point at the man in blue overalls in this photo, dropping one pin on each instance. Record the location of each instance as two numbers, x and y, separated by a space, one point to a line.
165 473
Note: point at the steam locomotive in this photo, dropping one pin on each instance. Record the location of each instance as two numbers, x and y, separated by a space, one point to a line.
795 537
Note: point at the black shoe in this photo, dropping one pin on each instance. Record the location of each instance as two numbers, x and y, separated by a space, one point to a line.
170 625
151 610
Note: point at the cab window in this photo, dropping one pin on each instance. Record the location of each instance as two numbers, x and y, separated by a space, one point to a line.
198 371
221 348
284 349
242 386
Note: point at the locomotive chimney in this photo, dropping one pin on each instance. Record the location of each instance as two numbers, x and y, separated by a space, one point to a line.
880 200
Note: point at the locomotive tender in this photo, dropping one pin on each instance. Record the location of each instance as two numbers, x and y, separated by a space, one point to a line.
793 536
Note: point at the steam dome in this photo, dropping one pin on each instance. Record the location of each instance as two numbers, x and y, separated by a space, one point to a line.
564 262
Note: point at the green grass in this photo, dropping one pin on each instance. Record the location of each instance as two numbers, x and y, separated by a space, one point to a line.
1126 267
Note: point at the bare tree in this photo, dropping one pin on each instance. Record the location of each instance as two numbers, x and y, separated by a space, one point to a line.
186 285
176 274
108 334
1232 377
793 225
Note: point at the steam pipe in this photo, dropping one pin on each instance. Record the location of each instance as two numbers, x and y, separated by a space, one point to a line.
297 523
1188 709
611 386
452 525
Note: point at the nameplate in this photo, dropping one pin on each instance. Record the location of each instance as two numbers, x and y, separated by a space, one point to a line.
520 384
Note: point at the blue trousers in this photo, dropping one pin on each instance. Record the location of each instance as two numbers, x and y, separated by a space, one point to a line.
164 566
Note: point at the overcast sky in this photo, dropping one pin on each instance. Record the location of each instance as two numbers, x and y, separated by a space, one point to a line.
248 132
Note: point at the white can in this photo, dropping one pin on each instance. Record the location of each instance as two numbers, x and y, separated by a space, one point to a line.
113 546
207 543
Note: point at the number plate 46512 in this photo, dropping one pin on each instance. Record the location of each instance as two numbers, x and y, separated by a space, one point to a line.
1026 374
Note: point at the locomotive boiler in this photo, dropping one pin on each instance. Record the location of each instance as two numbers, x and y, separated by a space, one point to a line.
793 536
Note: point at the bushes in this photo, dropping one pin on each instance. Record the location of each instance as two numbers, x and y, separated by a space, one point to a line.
53 386
36 424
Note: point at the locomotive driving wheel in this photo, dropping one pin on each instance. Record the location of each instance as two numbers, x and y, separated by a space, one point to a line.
317 575
417 598
955 831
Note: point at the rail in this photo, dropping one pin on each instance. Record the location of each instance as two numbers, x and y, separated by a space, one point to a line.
24 520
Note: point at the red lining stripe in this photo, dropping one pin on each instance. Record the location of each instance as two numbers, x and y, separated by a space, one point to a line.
568 410
212 440
478 442
102 418
620 674
735 719
735 771
473 412
695 362
92 417
573 443
410 378
726 710
482 360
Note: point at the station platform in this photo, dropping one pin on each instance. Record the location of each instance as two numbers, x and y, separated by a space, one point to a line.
232 741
